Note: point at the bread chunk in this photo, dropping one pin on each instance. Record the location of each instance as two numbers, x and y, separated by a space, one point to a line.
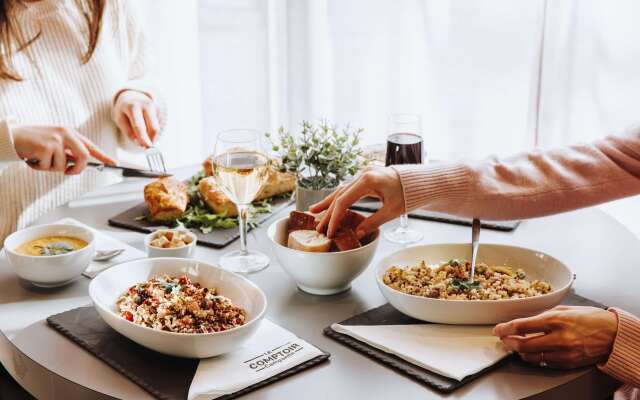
351 220
217 201
299 220
346 239
167 199
309 240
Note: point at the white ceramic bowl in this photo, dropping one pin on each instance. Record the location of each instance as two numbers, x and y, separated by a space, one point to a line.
105 289
320 273
180 252
50 271
537 265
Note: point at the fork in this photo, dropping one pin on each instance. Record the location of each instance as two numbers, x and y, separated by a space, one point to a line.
475 241
155 160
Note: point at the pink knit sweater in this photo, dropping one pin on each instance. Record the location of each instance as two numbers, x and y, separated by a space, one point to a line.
535 184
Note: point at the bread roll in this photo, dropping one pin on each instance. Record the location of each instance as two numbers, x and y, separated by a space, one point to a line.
167 199
218 202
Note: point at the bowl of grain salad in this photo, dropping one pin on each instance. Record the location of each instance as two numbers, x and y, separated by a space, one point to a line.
432 283
178 306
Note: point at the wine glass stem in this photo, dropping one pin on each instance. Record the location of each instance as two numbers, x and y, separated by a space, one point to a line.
404 222
243 220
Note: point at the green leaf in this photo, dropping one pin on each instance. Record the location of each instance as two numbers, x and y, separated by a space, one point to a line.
321 155
464 285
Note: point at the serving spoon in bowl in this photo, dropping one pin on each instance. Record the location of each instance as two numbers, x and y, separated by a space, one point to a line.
475 242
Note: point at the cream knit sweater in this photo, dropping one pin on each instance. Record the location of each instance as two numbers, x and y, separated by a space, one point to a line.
57 89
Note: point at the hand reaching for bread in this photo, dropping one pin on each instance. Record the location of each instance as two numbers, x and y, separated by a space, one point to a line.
379 182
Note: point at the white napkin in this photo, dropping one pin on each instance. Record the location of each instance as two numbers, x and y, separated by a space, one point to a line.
453 351
105 242
272 350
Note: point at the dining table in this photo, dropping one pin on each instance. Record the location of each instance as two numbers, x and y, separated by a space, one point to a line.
601 252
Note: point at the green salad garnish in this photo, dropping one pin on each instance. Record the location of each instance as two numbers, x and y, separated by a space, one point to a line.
198 216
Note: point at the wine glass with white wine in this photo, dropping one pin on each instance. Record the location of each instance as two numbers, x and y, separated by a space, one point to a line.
240 169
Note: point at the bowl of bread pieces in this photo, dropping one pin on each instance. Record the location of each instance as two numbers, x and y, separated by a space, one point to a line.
320 265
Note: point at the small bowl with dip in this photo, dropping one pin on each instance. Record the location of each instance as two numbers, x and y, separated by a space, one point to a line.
50 255
170 243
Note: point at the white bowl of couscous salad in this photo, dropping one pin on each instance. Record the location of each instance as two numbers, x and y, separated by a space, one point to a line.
431 283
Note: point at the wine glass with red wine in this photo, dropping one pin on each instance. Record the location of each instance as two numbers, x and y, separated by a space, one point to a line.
404 146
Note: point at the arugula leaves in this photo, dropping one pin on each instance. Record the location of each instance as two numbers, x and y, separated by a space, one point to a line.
198 216
201 218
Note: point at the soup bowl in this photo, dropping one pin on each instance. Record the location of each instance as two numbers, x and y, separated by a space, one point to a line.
55 270
106 288
536 265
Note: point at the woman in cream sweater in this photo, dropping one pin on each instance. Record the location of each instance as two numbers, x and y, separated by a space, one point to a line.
528 185
73 85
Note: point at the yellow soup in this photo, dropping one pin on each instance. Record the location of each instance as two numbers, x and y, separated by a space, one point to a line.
51 246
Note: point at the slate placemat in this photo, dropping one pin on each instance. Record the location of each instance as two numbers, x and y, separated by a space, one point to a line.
218 238
387 315
372 205
165 377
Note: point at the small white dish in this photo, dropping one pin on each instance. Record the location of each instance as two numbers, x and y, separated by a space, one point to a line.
105 289
320 273
536 265
50 271
180 252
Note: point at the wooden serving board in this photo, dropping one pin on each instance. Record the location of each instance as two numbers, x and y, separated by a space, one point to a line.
218 238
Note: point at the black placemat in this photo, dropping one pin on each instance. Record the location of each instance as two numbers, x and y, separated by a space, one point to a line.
165 377
217 238
372 205
387 315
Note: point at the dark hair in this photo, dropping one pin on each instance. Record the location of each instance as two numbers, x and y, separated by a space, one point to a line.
12 38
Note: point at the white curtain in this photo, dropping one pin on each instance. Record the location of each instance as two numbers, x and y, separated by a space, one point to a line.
474 70
591 70
172 29
487 76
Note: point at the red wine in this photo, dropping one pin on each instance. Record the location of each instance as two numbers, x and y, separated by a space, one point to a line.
404 148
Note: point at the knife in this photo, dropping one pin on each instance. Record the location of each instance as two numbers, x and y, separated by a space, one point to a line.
126 171
130 172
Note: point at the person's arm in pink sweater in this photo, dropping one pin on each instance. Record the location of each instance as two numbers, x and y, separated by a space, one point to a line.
624 361
531 184
535 184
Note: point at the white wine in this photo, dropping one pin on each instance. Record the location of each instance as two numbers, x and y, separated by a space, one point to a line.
240 174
